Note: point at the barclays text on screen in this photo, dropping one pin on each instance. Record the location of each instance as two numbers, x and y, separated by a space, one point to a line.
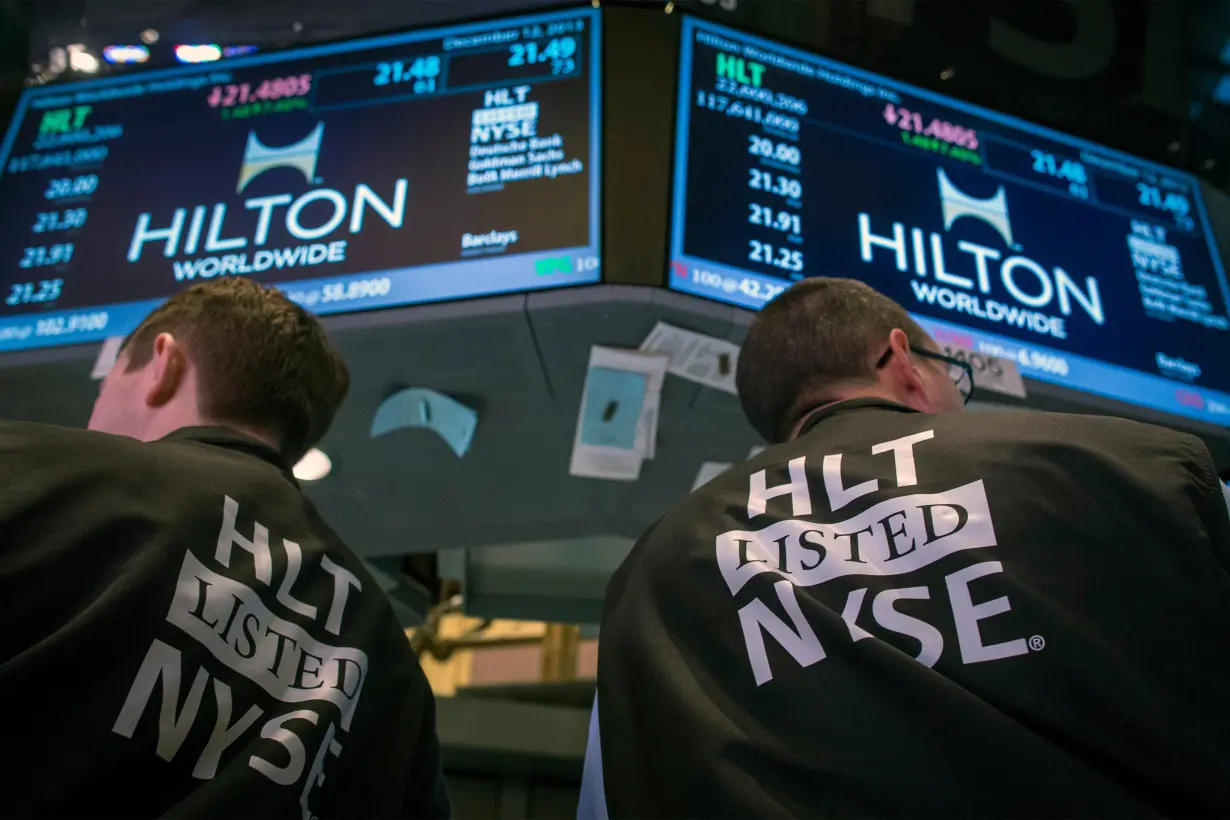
1093 269
388 171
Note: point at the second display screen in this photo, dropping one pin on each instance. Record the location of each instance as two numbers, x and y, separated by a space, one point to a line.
1091 268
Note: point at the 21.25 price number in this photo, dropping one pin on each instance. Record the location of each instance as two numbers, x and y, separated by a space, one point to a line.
765 253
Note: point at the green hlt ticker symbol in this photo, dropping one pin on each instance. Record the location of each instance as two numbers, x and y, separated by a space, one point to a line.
740 70
555 264
63 120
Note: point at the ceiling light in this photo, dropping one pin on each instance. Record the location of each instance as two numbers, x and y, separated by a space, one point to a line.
197 53
58 61
149 36
126 54
238 51
314 466
81 60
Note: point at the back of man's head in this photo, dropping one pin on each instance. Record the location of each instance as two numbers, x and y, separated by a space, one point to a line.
261 363
820 337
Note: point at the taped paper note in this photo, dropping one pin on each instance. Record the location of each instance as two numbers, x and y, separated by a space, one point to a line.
617 421
999 375
694 356
709 471
107 355
420 407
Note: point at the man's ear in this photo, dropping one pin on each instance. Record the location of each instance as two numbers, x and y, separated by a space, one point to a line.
902 366
168 370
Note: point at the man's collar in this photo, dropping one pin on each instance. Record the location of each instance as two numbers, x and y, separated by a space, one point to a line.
838 407
231 439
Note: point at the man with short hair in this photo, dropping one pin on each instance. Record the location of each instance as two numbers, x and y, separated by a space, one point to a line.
904 611
184 636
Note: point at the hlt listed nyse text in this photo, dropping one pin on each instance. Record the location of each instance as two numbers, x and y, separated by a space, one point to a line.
894 537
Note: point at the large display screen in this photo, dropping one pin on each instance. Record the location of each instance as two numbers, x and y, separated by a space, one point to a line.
432 165
1092 268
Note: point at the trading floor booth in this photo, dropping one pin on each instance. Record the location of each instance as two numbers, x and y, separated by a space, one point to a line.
538 241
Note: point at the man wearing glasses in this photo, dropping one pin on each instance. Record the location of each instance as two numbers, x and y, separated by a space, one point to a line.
902 610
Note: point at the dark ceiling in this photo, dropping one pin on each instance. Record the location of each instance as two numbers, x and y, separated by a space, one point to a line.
1135 74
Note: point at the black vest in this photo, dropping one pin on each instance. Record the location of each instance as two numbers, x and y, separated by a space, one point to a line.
902 615
184 636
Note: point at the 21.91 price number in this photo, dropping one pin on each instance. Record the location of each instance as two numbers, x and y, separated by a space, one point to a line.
783 221
785 259
46 255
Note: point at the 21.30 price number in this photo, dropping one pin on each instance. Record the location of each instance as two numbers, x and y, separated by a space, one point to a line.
786 259
789 187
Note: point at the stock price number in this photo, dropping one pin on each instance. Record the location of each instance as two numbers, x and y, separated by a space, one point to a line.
80 186
360 289
59 221
786 259
783 152
230 95
25 293
46 255
1151 196
913 121
423 72
558 51
1068 170
77 323
749 287
783 221
788 187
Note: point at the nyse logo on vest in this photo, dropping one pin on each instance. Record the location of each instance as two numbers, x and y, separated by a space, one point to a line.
893 537
236 624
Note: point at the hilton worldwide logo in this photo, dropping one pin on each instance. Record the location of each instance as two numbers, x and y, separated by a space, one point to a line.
302 156
226 238
993 210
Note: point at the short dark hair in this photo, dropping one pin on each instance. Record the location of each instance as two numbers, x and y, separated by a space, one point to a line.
262 360
820 333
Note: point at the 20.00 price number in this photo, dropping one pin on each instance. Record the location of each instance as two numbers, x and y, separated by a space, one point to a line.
782 152
783 258
78 323
79 186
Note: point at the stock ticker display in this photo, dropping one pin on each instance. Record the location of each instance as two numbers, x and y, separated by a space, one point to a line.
432 165
1091 268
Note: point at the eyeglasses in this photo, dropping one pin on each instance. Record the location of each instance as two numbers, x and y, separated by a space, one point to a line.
961 373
